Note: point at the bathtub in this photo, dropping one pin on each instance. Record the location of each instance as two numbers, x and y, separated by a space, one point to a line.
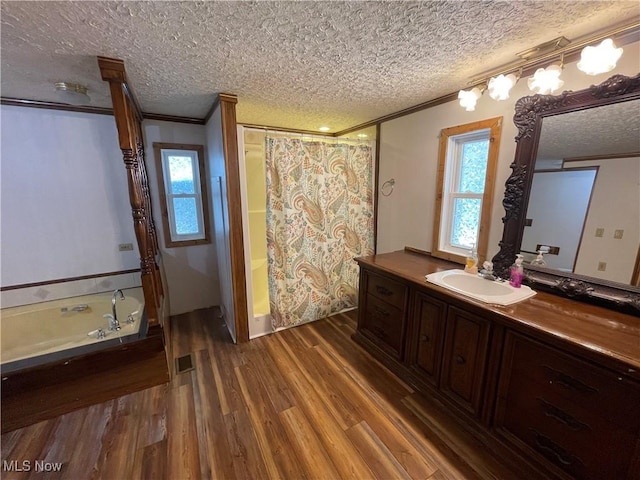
49 331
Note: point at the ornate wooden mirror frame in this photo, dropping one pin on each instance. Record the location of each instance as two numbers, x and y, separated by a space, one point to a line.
529 113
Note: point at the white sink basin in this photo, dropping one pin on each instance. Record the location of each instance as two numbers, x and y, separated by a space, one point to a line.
497 293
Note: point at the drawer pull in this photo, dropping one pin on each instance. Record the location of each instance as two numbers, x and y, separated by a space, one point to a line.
460 360
383 290
549 446
379 331
381 311
561 416
424 338
568 381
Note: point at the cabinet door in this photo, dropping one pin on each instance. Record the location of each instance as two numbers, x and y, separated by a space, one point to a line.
427 328
465 355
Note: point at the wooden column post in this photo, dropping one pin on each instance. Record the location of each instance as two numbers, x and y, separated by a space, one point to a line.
128 117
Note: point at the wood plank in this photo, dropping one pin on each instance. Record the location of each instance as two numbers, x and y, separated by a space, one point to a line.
247 458
95 424
30 447
154 461
341 451
323 381
153 427
120 437
216 460
183 461
375 452
304 440
388 425
279 459
276 387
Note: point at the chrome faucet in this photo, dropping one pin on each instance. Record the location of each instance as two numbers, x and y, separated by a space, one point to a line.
487 271
114 323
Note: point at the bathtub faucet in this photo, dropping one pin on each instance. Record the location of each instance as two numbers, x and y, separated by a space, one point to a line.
115 324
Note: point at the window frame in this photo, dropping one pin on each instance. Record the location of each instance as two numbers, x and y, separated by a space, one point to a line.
449 152
172 239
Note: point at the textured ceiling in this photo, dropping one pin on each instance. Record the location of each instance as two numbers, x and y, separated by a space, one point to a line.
292 64
606 130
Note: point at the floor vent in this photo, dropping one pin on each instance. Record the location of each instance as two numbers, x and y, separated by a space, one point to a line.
184 364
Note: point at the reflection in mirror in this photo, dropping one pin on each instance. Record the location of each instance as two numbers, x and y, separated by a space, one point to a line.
584 205
580 151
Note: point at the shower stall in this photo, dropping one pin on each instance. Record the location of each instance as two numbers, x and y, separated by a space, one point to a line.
252 143
253 180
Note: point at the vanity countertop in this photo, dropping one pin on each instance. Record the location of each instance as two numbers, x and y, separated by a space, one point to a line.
592 329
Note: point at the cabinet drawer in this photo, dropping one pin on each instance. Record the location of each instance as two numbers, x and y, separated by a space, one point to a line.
613 397
385 323
571 437
392 292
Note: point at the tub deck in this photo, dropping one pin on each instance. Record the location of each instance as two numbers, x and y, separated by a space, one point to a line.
46 391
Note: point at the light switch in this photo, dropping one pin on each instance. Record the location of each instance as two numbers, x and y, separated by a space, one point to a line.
602 266
618 234
125 247
599 232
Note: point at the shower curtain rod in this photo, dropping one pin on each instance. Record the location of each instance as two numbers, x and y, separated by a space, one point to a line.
308 135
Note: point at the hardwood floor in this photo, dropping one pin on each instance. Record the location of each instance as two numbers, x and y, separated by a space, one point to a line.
303 403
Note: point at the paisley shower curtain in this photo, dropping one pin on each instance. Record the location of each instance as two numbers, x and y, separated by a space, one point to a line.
319 217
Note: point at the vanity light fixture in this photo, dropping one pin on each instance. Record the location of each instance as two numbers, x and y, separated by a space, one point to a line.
72 93
469 98
500 86
546 80
599 59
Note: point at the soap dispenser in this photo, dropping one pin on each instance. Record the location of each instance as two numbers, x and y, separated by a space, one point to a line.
539 260
516 272
471 262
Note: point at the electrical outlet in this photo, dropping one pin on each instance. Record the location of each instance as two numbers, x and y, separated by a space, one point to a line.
125 247
618 234
599 232
602 266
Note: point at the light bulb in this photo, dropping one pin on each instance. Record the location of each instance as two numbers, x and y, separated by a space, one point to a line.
599 59
500 86
546 80
469 98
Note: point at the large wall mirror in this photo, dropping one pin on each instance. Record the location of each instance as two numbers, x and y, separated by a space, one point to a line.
575 191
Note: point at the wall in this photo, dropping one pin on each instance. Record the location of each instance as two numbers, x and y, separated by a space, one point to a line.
409 153
192 272
252 163
64 197
558 209
615 205
220 213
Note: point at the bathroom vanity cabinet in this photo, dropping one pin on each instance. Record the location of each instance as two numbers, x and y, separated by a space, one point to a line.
548 380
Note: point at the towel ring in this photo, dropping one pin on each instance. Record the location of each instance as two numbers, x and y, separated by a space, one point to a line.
388 185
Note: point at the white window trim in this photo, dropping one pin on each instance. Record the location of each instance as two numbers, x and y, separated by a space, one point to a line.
170 196
162 152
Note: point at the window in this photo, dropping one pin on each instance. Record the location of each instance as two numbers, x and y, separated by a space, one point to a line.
183 194
466 173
